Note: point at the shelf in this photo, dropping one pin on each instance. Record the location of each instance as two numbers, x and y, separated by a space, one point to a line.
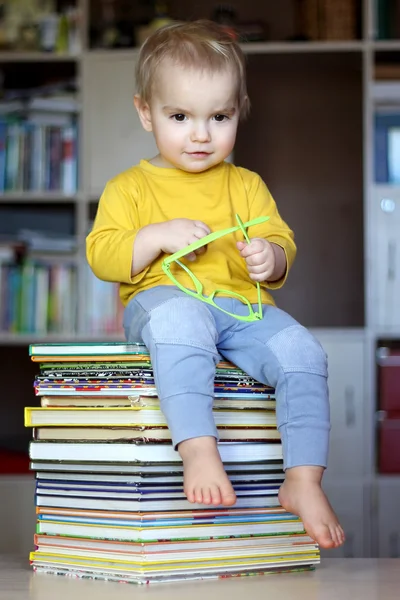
23 339
38 197
288 47
381 333
43 57
251 48
386 92
386 45
386 189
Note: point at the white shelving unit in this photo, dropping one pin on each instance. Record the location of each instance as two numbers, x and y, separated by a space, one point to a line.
112 139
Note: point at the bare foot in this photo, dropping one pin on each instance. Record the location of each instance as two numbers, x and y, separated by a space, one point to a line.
301 494
205 480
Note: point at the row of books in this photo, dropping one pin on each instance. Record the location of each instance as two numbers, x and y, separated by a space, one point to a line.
109 484
329 19
38 157
38 298
41 298
39 289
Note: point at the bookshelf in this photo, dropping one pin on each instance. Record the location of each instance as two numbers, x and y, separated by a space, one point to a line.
311 137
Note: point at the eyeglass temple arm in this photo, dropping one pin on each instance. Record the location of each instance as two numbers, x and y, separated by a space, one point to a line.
246 237
211 237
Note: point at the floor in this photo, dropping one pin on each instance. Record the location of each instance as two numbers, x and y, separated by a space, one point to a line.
334 579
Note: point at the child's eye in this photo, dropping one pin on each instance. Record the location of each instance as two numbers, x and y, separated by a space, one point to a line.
220 118
179 117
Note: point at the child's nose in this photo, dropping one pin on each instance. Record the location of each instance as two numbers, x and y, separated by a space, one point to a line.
200 133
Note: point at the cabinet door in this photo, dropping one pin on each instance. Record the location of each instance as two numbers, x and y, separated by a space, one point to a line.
350 502
114 139
388 517
17 516
384 291
347 402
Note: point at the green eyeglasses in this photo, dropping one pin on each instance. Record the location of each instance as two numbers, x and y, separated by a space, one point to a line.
166 266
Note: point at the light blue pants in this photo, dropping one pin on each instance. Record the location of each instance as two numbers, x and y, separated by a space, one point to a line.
186 338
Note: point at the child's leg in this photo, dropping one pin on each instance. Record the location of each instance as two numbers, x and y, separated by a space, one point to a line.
180 334
280 352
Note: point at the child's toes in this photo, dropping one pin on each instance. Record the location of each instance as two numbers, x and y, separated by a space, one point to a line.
198 495
215 495
190 495
206 495
340 534
322 535
228 496
334 535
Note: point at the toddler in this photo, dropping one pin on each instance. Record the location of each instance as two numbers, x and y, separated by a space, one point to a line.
191 94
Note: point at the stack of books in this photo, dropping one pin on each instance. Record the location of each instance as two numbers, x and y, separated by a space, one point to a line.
109 497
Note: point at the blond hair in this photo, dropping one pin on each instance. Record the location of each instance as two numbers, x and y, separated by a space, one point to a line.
199 44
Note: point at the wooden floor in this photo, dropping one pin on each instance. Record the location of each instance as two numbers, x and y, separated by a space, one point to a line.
335 579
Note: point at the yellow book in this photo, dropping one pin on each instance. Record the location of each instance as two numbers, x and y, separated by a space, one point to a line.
133 416
292 557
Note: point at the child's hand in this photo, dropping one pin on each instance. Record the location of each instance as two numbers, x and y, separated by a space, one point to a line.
260 258
179 233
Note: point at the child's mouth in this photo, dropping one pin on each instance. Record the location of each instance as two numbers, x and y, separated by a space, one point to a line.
199 154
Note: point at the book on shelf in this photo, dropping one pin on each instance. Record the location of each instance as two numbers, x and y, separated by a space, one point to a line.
329 19
39 288
38 156
37 297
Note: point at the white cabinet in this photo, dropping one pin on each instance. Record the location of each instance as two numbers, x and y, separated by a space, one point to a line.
350 501
388 530
114 139
17 514
348 402
344 480
384 288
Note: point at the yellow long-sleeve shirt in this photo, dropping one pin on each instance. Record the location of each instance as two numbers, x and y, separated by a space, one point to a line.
146 194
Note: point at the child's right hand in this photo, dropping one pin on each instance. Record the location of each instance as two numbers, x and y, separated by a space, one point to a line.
179 233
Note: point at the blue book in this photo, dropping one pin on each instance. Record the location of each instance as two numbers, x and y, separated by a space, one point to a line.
3 138
383 123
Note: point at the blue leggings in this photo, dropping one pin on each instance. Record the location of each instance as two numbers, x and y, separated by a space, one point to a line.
186 338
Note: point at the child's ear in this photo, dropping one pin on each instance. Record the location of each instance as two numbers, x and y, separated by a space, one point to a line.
144 112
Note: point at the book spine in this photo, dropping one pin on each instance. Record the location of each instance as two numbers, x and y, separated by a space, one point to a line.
3 141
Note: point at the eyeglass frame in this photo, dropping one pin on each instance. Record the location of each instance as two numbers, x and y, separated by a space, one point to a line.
211 237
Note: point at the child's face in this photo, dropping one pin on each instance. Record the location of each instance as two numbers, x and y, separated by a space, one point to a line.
194 117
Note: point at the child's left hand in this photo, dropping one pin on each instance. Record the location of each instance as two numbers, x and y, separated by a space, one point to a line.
260 258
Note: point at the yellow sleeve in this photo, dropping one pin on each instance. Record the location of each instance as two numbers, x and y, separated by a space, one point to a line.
109 246
261 203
